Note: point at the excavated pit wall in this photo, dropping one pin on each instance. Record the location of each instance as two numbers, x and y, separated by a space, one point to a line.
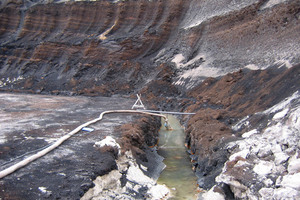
59 47
219 105
105 48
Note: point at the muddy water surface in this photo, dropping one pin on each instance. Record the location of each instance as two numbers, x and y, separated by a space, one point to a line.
178 175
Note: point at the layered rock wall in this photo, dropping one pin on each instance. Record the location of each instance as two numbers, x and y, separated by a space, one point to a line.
81 47
251 37
75 46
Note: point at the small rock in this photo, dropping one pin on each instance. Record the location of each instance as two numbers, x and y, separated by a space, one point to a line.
292 181
268 182
264 152
263 168
286 193
136 188
249 133
244 153
280 169
159 192
211 194
108 141
281 158
266 193
278 181
280 114
294 166
46 192
135 174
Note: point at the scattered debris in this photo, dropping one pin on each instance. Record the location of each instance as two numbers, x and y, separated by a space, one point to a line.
87 129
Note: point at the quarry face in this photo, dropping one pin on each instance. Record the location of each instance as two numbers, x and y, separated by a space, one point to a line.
235 64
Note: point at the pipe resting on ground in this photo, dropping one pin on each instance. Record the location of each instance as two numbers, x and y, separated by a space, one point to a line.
26 161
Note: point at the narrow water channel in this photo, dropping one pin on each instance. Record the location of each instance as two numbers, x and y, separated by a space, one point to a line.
178 175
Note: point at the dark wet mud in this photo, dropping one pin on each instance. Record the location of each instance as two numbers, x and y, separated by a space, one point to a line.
30 122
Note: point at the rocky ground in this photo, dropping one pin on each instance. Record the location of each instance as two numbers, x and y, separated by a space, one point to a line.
229 61
216 134
264 164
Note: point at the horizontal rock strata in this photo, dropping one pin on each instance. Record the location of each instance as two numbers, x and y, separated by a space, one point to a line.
60 47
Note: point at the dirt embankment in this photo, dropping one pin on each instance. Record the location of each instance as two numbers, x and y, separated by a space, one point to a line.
219 103
140 135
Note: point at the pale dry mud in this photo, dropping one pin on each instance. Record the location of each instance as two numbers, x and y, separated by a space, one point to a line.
30 122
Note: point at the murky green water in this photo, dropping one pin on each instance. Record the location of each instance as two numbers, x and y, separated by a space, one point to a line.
178 175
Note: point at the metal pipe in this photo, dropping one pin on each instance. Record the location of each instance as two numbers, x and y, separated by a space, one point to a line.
168 112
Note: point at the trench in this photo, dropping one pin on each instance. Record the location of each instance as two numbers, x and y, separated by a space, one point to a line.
178 175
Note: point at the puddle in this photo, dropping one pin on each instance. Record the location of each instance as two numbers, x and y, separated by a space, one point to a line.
178 175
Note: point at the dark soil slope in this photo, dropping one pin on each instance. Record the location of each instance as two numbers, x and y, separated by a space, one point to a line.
105 48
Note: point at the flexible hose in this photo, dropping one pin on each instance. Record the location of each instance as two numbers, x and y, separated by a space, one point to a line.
26 161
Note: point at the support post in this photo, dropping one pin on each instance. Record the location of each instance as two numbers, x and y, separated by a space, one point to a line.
138 103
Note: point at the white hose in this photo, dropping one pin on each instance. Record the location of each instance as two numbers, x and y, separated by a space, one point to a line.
26 161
